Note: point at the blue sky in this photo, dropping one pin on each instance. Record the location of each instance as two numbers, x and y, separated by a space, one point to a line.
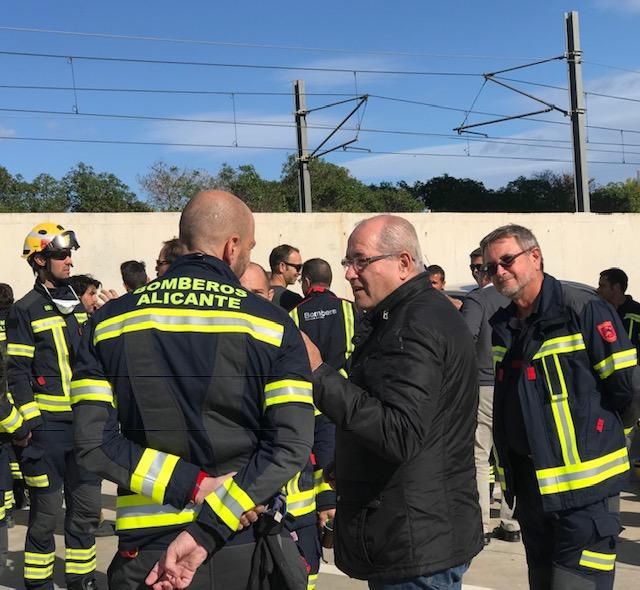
454 37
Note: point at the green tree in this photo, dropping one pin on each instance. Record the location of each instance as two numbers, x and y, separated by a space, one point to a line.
447 193
170 187
616 197
259 194
543 191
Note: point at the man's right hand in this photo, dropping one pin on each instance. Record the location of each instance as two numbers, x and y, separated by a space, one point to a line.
176 568
22 442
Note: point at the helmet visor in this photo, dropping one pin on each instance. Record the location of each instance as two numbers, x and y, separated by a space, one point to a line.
64 241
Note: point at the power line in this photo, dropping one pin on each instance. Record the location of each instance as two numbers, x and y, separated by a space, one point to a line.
538 143
239 66
261 45
588 92
165 91
593 63
293 149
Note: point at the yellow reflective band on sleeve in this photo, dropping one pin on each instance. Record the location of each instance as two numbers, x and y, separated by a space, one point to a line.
229 502
52 403
37 481
586 474
25 350
12 422
29 410
560 345
349 328
152 474
319 485
312 580
618 360
191 321
137 512
9 500
598 561
15 470
293 314
3 337
3 513
628 431
498 353
288 391
91 390
560 409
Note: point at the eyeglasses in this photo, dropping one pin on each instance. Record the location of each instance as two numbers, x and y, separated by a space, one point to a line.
359 263
505 262
476 267
162 263
298 267
59 254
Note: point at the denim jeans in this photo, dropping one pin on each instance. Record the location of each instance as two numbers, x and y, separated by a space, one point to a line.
450 579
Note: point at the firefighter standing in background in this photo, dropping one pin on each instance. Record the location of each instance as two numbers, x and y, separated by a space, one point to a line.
330 323
43 333
564 371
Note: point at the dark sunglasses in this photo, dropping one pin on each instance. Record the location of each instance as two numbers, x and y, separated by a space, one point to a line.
298 267
506 261
59 254
476 267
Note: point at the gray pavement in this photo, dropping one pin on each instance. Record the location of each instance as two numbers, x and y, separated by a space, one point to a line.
501 566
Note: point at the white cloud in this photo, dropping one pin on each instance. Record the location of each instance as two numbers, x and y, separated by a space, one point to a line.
620 5
6 132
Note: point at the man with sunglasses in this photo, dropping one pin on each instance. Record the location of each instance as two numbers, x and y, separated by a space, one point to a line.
478 307
286 263
564 369
43 334
407 515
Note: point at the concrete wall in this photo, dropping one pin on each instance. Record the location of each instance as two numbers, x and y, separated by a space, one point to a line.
575 246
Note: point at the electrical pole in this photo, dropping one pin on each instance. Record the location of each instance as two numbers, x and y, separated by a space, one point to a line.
577 113
304 179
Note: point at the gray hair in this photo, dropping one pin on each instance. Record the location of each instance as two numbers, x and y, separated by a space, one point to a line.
398 235
523 236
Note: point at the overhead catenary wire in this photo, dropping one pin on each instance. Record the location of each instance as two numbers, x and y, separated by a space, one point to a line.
293 149
261 45
207 64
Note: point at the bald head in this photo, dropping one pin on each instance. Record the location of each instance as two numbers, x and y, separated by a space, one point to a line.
255 280
221 225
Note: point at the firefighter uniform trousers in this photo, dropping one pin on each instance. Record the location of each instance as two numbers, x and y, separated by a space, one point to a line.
571 549
50 468
6 501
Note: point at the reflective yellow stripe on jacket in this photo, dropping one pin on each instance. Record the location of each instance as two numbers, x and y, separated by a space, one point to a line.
582 475
288 391
618 360
152 474
12 422
25 350
229 502
349 328
190 320
137 512
57 325
299 502
91 390
498 353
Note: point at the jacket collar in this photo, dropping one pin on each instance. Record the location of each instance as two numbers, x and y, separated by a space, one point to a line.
204 261
385 308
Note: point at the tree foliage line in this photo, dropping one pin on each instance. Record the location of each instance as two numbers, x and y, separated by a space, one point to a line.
168 188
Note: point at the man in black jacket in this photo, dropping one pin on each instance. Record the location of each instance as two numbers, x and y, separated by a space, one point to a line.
407 509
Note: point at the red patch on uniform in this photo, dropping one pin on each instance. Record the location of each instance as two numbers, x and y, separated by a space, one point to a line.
531 373
599 425
41 380
607 331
